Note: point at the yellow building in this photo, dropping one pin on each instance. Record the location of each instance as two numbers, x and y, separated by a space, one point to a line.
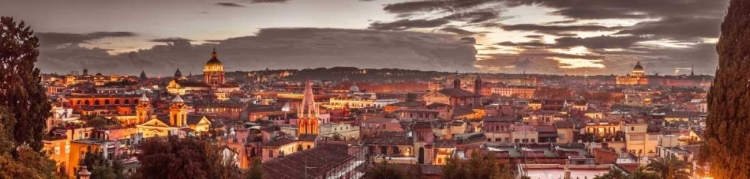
636 77
163 126
638 141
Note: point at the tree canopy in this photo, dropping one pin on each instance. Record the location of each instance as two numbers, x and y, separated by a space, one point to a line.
480 166
21 91
183 158
726 144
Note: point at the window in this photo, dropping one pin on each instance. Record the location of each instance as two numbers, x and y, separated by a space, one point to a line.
632 128
57 150
67 149
518 140
270 153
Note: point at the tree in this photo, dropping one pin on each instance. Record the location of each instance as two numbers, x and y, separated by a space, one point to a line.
480 166
726 144
184 158
21 90
385 171
669 167
101 167
612 174
256 170
21 161
642 173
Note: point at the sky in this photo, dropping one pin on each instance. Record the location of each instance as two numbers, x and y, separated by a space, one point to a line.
577 37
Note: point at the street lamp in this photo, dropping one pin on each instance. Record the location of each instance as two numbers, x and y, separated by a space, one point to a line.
84 174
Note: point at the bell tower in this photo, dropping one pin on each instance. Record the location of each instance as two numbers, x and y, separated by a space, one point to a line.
143 109
308 112
178 112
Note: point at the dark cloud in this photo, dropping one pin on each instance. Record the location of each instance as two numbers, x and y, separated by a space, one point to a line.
468 40
434 5
563 22
278 48
55 39
609 9
531 44
474 17
228 4
457 30
267 1
171 40
600 42
678 28
534 36
557 29
408 24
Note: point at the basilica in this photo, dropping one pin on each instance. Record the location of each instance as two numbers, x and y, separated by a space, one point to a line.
214 82
636 77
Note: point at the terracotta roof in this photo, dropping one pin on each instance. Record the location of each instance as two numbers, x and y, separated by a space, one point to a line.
389 138
458 93
323 159
307 137
279 141
460 111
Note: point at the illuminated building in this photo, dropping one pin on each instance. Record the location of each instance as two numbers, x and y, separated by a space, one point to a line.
213 81
163 126
308 112
636 77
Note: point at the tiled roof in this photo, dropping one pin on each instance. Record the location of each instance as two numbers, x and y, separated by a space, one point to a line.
194 119
279 142
389 138
307 137
321 159
458 93
460 111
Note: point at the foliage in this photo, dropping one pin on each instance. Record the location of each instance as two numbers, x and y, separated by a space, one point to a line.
183 158
20 84
385 171
669 167
22 161
256 170
101 122
612 174
101 167
480 166
642 173
598 96
726 144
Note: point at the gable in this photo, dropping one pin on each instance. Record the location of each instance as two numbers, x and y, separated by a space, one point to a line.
155 122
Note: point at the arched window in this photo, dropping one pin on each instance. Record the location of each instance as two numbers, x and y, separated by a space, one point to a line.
117 101
87 102
97 103
106 102
126 101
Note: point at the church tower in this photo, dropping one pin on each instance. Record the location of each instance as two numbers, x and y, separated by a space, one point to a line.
457 82
307 112
143 109
213 72
477 91
178 112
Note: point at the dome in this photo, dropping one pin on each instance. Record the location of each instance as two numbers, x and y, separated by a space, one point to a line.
214 64
143 97
638 67
178 99
354 88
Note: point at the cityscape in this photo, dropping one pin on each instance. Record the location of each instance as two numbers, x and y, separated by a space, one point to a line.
445 89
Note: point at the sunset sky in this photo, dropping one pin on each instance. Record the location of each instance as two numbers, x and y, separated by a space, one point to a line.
505 36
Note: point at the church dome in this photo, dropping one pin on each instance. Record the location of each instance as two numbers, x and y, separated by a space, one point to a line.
638 67
214 64
354 88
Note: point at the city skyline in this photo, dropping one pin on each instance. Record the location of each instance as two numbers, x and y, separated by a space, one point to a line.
557 37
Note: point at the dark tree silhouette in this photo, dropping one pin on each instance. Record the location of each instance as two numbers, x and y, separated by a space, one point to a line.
183 158
726 144
255 171
21 90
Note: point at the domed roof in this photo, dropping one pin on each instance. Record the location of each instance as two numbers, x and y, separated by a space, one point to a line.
143 97
354 88
638 66
178 99
214 64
